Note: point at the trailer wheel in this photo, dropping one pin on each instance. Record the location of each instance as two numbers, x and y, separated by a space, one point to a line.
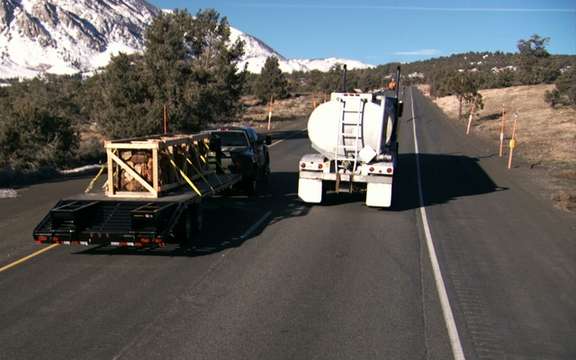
199 219
186 231
324 192
264 180
267 166
251 186
190 226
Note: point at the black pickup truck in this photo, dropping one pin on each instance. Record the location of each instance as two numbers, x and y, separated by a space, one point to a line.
244 152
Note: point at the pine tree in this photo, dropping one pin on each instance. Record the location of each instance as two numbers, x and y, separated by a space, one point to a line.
192 70
272 82
187 67
465 87
32 134
532 60
565 92
123 103
566 85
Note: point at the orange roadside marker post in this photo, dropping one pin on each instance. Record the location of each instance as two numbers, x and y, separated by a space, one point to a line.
512 143
470 118
501 152
165 117
270 112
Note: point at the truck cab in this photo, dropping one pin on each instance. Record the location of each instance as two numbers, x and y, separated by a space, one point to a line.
244 152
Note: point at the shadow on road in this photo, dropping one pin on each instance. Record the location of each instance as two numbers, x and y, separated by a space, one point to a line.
444 178
228 219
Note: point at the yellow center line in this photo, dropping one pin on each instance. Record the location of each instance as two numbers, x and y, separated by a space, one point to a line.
26 258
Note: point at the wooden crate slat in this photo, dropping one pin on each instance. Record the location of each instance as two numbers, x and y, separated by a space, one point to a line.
155 174
134 194
129 146
132 172
158 177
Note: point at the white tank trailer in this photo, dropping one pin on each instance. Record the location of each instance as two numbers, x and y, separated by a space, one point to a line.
355 135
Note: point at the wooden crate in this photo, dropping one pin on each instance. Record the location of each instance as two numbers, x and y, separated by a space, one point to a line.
150 166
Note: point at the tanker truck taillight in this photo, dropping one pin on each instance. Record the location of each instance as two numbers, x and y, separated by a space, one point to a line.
315 164
311 166
380 169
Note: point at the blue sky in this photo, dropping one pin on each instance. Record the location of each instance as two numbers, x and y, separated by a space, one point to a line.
382 31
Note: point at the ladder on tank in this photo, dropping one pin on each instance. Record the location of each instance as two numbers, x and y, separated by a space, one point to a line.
350 119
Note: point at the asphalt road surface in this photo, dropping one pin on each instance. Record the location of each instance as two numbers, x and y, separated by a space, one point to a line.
272 278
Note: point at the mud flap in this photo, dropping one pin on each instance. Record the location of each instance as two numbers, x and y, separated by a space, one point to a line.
379 195
310 190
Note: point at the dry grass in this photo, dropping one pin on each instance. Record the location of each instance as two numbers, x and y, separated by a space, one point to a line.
424 89
546 137
293 108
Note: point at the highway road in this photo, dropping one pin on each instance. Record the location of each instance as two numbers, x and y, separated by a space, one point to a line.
272 278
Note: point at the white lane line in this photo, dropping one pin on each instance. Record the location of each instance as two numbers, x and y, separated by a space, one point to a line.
455 343
255 226
286 138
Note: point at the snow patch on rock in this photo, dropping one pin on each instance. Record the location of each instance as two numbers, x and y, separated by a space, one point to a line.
8 193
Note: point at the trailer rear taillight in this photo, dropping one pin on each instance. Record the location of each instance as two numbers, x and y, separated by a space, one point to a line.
125 244
145 240
371 169
389 170
302 165
320 166
41 239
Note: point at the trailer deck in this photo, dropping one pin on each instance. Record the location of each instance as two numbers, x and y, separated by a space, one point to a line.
97 219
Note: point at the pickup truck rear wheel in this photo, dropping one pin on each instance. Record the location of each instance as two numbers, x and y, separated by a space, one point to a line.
265 180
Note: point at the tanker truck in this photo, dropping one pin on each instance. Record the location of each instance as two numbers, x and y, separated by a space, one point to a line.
355 135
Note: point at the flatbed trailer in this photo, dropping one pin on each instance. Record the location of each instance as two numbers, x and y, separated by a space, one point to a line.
153 195
96 219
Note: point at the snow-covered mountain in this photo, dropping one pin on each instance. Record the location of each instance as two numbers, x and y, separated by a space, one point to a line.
256 52
68 36
71 36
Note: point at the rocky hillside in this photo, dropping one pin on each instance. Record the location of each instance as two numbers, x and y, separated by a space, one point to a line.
68 36
71 36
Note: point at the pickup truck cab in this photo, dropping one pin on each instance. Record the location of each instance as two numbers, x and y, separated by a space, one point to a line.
244 152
